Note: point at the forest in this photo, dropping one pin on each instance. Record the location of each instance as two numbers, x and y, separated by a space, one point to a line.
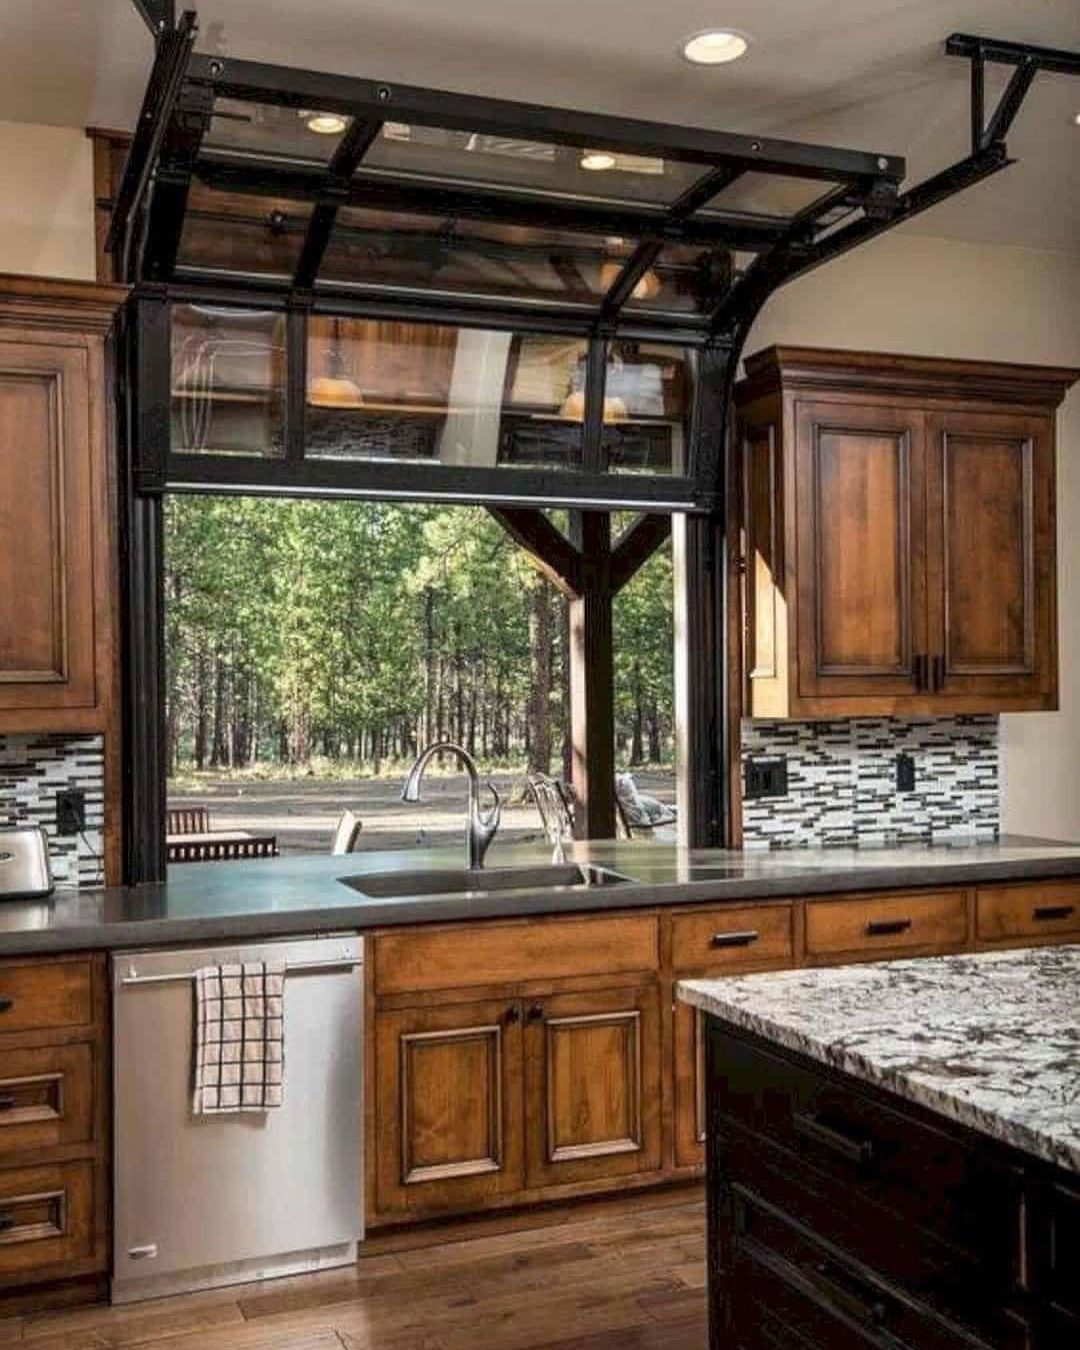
338 637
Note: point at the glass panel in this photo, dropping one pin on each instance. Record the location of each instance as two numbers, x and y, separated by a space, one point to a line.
396 248
768 194
648 398
684 279
235 233
473 157
271 131
228 381
427 393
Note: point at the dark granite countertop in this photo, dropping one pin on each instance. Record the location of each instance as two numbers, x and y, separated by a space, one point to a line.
991 1040
269 897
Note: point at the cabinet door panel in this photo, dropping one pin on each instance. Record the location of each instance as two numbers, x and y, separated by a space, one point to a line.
990 495
448 1105
46 520
592 1078
861 549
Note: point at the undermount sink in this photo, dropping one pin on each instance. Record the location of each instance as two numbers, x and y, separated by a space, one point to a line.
482 881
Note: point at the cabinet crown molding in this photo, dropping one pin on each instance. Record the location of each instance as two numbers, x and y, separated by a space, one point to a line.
59 305
826 368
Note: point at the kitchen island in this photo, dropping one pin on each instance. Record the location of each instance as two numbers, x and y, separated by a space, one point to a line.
893 1153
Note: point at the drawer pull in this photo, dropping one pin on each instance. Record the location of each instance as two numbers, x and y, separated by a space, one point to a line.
887 927
7 1103
831 1283
1053 911
742 938
6 1004
858 1151
7 1223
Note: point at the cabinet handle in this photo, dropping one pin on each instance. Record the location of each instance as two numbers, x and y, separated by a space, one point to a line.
6 1004
1053 911
743 938
858 1151
7 1222
7 1103
887 927
937 675
536 1012
918 670
512 1015
832 1283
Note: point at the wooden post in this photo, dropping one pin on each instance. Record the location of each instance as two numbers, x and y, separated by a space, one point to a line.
589 570
592 678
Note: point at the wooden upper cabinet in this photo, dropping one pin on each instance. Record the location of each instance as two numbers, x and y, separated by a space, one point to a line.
990 494
895 528
57 586
860 539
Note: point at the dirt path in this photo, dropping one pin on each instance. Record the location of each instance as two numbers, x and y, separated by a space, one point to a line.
303 813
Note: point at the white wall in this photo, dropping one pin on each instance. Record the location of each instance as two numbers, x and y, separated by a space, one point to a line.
46 201
937 297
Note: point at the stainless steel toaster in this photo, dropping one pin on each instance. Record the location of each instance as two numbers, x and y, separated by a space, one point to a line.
24 863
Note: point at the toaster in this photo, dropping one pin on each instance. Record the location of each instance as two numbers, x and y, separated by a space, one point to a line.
24 863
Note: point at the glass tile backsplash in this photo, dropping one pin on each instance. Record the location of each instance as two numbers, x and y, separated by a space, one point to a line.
842 782
32 770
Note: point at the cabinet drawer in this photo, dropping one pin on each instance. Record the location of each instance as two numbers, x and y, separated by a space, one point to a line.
46 1217
887 924
858 1155
783 1269
46 1097
37 996
729 939
512 953
1045 909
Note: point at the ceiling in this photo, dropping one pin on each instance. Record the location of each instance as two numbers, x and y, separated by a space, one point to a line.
868 74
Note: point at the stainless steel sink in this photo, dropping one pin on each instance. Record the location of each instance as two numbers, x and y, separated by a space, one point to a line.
482 881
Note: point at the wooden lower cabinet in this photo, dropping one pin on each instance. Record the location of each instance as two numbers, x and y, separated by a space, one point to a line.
449 1096
592 1086
54 1112
580 1072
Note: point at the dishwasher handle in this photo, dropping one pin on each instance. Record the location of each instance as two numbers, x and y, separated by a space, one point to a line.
291 968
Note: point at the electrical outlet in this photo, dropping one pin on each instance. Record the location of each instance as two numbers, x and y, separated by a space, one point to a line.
70 811
905 773
765 778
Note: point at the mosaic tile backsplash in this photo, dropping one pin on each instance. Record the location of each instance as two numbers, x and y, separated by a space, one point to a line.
32 770
842 782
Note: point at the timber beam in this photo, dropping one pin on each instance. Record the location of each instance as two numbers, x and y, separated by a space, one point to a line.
589 571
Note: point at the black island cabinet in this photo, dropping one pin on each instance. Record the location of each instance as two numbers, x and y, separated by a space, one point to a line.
843 1216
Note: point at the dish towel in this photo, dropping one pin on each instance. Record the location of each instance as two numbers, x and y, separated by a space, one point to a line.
239 1038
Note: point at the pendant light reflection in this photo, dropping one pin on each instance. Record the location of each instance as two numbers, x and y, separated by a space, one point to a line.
573 410
335 389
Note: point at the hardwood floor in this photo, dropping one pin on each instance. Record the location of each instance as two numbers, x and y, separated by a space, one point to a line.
620 1274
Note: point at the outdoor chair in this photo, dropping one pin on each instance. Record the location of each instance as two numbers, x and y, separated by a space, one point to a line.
555 806
346 833
187 820
640 815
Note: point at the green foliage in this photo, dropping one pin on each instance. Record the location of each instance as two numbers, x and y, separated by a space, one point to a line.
303 633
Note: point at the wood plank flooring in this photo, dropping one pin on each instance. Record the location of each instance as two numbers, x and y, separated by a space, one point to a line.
621 1274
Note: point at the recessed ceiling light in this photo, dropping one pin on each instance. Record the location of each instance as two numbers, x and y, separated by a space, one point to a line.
326 124
597 160
715 46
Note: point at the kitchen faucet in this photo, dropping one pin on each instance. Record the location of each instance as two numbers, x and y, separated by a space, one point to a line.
480 825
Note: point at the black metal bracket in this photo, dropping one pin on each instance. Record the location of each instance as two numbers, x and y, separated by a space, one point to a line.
158 15
1027 61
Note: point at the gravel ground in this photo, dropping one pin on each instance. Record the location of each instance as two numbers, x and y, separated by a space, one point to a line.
303 813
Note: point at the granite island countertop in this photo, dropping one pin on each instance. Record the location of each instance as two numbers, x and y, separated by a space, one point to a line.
258 898
989 1040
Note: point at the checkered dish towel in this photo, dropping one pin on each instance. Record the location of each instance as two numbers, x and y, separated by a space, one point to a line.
239 1038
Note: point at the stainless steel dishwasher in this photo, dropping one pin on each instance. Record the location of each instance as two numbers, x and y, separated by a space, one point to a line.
209 1200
